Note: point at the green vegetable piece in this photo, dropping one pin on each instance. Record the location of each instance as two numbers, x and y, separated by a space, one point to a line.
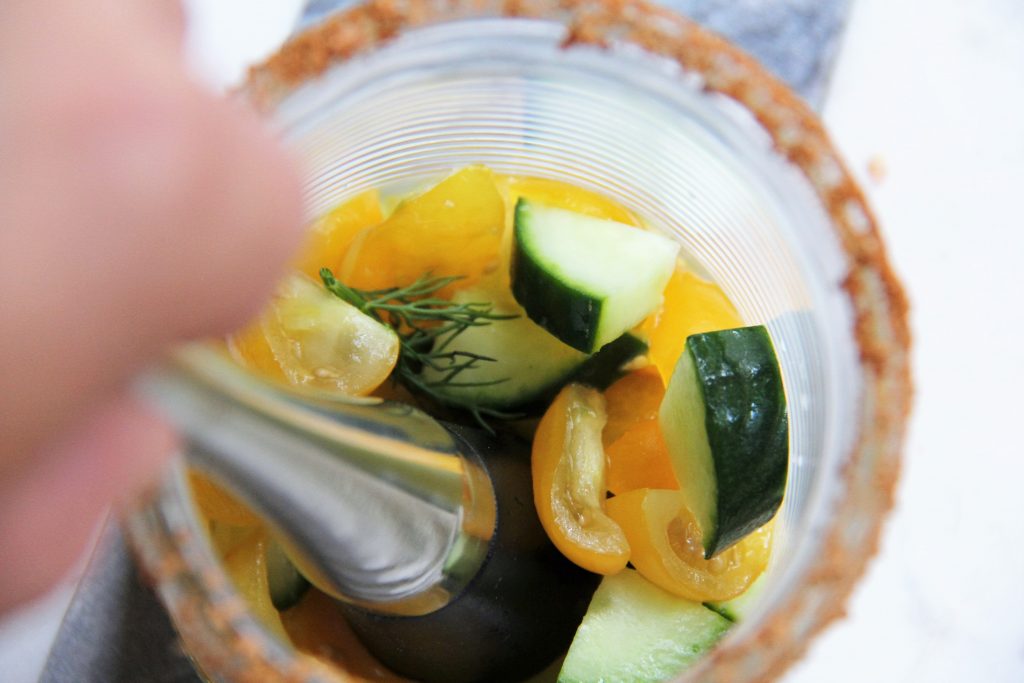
726 427
634 631
587 280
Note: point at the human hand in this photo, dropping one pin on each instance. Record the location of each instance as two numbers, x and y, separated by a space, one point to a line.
136 211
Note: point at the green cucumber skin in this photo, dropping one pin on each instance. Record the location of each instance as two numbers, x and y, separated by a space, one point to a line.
745 412
567 313
719 608
287 585
531 363
598 371
286 600
605 366
531 402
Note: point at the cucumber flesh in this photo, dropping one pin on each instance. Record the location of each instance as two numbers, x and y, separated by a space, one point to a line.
529 364
740 607
725 424
586 280
635 631
287 585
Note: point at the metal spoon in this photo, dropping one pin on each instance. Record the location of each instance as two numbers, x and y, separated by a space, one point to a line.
426 534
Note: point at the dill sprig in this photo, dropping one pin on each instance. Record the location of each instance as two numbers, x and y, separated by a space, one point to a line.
426 326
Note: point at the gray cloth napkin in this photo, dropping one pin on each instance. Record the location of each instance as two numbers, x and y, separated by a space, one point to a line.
116 631
796 39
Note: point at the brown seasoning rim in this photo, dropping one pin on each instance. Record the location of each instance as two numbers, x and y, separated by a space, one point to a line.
879 304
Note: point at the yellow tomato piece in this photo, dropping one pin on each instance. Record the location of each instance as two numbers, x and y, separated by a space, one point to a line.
569 482
452 229
330 236
639 459
250 348
316 339
318 628
636 451
667 550
631 400
247 566
563 196
217 504
692 305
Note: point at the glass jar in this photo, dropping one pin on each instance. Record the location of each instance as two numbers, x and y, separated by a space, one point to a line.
671 121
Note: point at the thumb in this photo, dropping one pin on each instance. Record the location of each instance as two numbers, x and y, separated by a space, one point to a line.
47 514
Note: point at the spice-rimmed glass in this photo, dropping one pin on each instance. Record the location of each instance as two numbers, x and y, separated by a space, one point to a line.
677 125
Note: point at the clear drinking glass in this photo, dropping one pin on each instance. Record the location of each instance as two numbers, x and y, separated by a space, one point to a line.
641 105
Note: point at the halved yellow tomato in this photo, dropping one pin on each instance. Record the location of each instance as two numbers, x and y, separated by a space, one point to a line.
330 236
692 305
316 339
452 229
569 482
250 348
666 547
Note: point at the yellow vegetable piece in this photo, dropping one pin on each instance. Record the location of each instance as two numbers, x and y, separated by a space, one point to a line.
563 196
640 459
667 550
318 628
217 504
249 348
636 452
691 306
452 229
246 565
631 400
311 337
330 236
569 482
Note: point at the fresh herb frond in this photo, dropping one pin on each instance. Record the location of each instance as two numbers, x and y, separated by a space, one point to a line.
427 326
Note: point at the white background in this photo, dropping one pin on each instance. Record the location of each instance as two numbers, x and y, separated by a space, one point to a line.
933 90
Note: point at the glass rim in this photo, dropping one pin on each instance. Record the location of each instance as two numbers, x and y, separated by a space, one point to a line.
881 330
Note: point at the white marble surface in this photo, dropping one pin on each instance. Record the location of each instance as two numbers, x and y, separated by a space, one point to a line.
936 89
934 92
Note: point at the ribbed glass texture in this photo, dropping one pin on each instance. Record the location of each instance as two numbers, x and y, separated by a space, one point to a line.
695 166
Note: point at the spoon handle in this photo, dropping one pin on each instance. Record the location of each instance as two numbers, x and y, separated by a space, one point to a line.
374 502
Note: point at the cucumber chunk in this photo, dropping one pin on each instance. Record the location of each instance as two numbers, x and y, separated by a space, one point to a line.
586 280
287 585
529 366
725 424
634 631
